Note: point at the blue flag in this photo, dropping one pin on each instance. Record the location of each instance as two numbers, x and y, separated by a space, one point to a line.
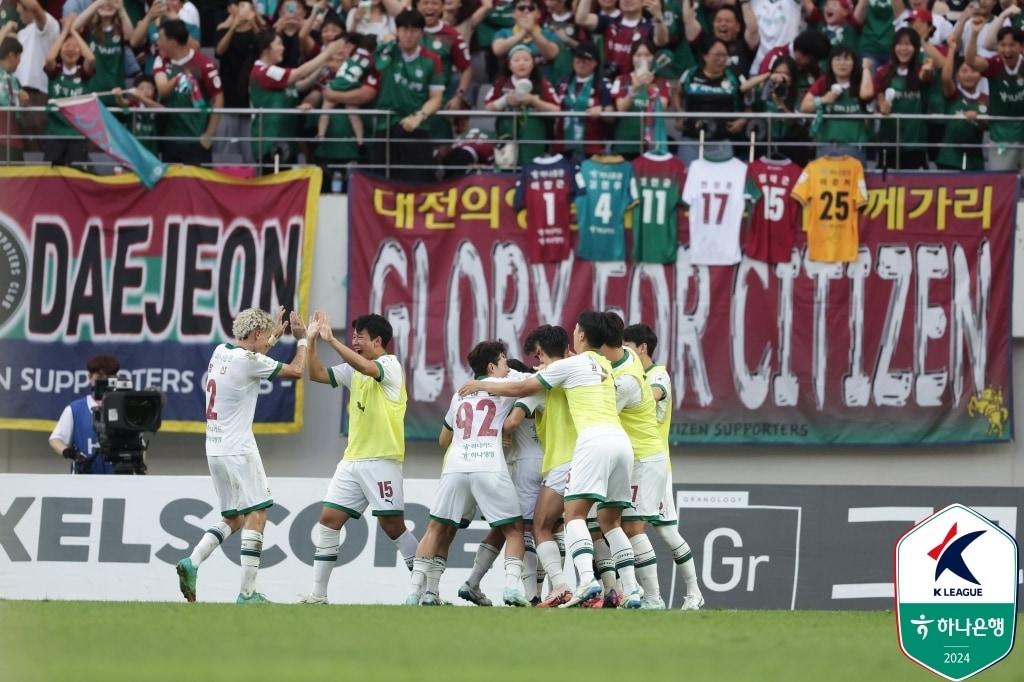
89 117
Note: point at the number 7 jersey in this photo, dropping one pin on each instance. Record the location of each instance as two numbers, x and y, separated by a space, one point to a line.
832 189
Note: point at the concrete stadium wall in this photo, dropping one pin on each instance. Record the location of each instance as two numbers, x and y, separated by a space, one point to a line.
316 450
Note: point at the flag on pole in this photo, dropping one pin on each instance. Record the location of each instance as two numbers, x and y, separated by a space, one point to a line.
89 117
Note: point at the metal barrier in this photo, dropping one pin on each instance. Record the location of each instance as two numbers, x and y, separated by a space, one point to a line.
235 150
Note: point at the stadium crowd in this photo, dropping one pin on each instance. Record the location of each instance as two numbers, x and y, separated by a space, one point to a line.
517 58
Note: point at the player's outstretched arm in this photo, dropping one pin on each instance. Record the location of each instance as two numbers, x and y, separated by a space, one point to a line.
317 371
297 367
508 389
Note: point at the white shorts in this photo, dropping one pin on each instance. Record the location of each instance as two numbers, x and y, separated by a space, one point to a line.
601 468
241 484
668 512
527 479
557 478
361 483
493 492
647 488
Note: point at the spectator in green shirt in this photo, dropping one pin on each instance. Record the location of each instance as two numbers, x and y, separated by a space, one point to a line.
69 66
900 88
11 95
106 28
843 90
409 82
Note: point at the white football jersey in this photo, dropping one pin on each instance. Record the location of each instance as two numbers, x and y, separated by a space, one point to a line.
716 192
232 387
476 422
525 443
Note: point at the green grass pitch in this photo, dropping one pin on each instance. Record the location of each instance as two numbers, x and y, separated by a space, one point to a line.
85 641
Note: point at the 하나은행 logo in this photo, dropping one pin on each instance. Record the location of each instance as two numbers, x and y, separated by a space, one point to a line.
956 592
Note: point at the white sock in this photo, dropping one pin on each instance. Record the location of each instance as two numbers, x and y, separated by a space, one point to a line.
581 549
327 542
646 564
622 553
551 561
482 562
605 565
682 555
406 544
418 578
560 541
213 538
252 547
434 571
529 567
513 574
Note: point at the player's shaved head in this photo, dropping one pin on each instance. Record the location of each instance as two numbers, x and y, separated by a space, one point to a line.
551 339
641 333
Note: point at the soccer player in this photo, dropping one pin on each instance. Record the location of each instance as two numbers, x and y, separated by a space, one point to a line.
232 387
637 411
524 457
474 471
642 339
601 462
370 472
558 438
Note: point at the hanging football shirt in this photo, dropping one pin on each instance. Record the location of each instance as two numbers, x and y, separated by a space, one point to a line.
717 192
657 185
832 189
546 189
604 183
776 216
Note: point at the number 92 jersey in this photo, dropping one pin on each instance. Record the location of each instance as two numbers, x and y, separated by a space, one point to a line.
476 422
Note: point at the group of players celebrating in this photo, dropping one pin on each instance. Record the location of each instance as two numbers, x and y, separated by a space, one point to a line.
569 459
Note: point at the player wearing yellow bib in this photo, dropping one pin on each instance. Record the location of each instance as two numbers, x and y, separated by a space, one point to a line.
474 474
642 339
602 459
637 412
558 441
370 473
232 387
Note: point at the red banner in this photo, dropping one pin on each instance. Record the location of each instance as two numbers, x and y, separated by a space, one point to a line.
908 344
155 277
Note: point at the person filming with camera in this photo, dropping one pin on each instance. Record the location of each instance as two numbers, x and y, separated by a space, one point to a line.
74 437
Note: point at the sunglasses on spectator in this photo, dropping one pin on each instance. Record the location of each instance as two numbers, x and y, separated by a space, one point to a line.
525 8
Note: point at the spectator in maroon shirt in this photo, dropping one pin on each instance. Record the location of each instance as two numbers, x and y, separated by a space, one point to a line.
622 31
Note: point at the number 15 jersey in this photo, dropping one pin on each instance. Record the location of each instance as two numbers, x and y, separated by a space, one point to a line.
832 189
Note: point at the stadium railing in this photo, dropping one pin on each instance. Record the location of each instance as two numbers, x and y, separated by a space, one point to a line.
758 136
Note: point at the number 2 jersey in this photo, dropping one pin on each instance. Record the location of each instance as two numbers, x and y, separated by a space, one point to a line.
232 387
717 192
832 189
476 421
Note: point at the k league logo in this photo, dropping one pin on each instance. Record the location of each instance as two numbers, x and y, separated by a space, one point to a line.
956 592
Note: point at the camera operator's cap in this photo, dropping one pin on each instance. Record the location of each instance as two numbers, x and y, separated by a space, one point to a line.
585 50
920 14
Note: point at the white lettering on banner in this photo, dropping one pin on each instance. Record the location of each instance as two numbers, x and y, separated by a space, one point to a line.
894 263
206 275
57 381
930 323
655 274
501 307
857 384
751 387
119 537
